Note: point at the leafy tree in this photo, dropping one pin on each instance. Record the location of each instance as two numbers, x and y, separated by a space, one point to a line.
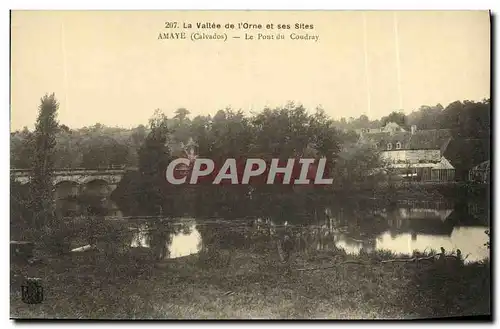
46 128
154 157
138 136
324 137
179 126
356 167
227 135
20 212
200 132
291 132
426 117
21 149
396 117
64 128
136 139
470 126
181 114
68 150
104 151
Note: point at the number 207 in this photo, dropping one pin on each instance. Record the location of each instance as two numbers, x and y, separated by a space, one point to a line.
170 25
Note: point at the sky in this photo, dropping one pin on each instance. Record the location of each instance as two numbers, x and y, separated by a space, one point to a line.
109 67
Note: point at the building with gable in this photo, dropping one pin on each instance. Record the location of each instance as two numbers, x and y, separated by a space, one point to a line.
416 154
390 127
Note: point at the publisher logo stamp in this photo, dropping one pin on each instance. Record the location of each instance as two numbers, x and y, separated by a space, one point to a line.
32 291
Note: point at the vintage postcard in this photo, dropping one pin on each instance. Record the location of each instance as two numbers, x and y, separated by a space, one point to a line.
250 165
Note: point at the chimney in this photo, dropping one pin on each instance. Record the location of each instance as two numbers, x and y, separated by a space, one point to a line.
413 129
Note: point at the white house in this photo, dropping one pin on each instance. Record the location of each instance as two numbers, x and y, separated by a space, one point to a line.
417 153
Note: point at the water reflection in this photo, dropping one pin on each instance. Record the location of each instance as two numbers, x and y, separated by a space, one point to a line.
470 240
141 237
423 213
170 241
402 228
354 246
410 227
185 243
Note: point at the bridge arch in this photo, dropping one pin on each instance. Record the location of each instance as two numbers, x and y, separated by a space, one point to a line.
65 193
96 186
66 188
90 179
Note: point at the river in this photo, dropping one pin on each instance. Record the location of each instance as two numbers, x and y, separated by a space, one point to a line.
403 228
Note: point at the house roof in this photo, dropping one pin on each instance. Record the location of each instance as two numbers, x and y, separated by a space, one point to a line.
393 125
437 139
383 138
443 164
375 136
401 137
429 139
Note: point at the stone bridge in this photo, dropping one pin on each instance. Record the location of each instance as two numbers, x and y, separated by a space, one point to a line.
73 181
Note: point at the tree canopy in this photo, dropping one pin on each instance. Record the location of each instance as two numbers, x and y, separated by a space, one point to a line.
288 131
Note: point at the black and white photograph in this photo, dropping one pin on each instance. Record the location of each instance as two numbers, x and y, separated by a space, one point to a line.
250 164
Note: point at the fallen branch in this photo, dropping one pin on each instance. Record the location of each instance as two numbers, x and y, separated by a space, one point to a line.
332 266
408 260
396 260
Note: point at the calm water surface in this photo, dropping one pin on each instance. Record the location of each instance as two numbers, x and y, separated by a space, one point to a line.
405 228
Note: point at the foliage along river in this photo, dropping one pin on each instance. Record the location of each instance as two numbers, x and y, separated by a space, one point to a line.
406 227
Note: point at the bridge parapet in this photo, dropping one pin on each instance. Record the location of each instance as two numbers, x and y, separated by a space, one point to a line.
19 171
112 176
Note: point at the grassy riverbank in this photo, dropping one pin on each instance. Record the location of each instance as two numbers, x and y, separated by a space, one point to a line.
251 285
